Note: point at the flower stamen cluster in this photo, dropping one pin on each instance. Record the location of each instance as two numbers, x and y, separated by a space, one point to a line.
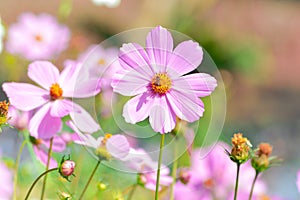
3 112
55 91
241 148
161 83
262 160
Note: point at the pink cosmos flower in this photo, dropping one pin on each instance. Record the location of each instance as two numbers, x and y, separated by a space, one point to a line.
214 177
6 182
41 147
50 99
101 63
142 163
155 76
298 180
115 146
18 119
37 37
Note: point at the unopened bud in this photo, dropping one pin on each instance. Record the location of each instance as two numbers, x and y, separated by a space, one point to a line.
66 168
184 176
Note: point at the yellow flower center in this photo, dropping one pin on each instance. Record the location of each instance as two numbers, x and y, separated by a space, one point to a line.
209 183
101 61
106 137
4 108
35 141
3 112
38 38
55 91
161 83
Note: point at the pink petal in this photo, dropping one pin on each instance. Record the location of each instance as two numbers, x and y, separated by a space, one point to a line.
58 144
76 83
84 88
43 73
133 57
131 83
201 84
165 180
43 125
186 105
61 108
83 139
42 156
83 120
152 186
118 146
162 118
186 57
159 45
25 96
138 108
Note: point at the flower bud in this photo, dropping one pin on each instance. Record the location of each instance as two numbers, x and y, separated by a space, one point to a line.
240 152
66 168
261 160
184 176
64 196
101 186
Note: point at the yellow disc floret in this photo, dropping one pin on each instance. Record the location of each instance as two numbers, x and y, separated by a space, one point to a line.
3 112
101 61
161 83
55 91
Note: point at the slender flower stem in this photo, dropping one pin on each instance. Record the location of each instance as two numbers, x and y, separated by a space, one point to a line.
47 167
37 179
90 179
174 170
162 141
237 181
253 183
132 191
16 169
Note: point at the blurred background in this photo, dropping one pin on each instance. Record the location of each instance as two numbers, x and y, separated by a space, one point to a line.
255 45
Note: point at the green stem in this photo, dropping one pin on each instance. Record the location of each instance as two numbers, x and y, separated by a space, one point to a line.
90 179
237 181
47 167
174 170
37 179
253 183
132 191
16 169
159 164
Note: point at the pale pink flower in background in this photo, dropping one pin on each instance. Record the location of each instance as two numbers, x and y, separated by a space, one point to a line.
108 3
41 147
298 180
141 163
18 119
156 77
6 182
37 37
2 33
214 177
101 63
115 146
50 99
